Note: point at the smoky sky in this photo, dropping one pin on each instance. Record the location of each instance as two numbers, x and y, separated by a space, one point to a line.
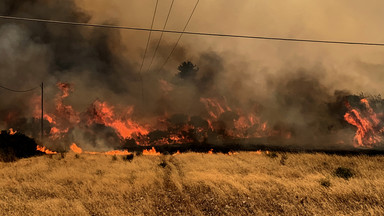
348 66
289 84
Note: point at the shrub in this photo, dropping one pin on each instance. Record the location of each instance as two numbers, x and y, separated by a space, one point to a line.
99 172
77 156
345 173
284 157
62 155
163 164
128 157
272 154
114 158
325 182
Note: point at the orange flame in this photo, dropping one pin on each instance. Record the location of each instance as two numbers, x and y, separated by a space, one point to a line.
232 153
76 149
118 152
45 150
215 107
12 132
151 152
210 151
367 125
104 114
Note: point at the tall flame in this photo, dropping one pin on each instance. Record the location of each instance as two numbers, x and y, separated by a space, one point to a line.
102 113
367 123
76 149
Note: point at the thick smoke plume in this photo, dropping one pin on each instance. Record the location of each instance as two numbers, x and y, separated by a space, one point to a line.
94 97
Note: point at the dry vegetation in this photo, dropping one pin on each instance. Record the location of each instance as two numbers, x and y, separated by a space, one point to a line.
193 184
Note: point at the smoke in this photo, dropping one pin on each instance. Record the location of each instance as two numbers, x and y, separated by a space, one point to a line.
294 90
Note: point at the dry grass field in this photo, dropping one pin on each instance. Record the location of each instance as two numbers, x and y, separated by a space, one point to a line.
192 184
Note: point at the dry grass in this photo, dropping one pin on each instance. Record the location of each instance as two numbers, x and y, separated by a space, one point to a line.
192 184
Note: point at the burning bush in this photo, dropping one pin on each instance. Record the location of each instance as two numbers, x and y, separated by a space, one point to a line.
15 146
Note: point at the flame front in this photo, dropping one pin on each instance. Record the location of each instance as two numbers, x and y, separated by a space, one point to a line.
45 150
151 151
79 150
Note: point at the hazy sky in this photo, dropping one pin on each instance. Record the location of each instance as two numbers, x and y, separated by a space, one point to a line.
344 20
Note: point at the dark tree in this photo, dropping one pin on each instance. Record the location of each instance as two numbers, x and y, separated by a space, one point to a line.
187 70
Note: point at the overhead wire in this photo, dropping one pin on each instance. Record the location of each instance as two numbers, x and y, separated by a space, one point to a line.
146 50
149 36
179 38
190 32
161 35
19 91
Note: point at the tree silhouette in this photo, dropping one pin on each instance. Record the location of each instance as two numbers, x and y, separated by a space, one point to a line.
187 70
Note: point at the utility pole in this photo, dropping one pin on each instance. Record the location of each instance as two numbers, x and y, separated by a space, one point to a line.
42 113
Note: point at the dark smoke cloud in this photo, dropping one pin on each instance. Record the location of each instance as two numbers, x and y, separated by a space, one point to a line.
297 97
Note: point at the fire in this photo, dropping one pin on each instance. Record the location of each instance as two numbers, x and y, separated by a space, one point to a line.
102 113
45 150
79 150
151 152
219 115
367 123
76 149
118 152
63 117
49 119
12 132
219 120
258 152
215 107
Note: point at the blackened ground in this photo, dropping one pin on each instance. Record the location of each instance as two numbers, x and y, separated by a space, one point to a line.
13 147
251 145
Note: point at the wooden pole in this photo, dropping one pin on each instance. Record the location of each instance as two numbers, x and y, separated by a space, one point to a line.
42 113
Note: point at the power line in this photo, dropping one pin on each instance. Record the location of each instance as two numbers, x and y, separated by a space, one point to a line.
149 37
146 49
19 91
161 36
178 40
192 33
